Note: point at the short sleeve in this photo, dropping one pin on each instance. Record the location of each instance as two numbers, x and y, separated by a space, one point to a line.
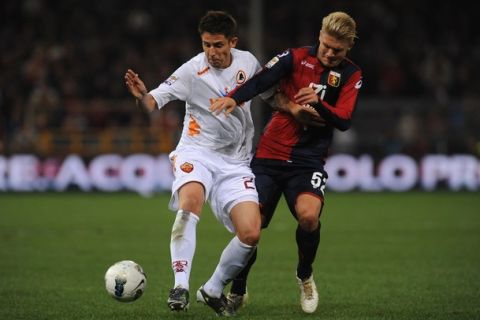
175 87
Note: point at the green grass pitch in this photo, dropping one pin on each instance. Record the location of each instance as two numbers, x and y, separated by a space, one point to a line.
382 256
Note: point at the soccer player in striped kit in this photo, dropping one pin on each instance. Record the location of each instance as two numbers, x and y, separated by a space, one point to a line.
290 156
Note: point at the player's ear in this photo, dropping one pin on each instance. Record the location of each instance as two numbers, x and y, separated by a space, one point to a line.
233 42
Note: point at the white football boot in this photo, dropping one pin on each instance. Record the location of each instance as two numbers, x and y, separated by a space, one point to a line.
308 295
236 301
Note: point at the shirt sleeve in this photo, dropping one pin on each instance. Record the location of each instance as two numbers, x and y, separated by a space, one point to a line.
175 87
340 115
272 72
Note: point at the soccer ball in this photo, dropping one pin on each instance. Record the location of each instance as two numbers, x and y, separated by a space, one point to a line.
125 281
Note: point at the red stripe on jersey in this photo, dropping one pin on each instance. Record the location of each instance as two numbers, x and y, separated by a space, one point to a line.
279 137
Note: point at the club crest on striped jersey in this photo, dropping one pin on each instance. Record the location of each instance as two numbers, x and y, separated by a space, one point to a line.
186 167
334 79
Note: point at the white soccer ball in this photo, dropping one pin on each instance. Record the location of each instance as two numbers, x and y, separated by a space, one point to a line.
125 281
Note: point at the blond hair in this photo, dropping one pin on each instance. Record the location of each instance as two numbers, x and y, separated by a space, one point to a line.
341 26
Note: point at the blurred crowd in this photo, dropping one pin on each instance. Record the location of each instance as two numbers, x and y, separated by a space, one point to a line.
62 65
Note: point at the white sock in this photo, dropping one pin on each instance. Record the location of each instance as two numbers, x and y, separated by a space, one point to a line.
182 246
234 257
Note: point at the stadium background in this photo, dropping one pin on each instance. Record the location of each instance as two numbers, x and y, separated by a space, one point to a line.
62 88
410 255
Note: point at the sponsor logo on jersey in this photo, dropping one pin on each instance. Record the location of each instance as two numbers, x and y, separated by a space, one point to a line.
275 59
272 62
186 167
203 71
334 79
307 64
358 85
241 77
171 80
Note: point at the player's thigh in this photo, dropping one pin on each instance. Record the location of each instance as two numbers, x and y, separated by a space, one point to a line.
308 208
193 180
304 192
269 191
233 184
191 197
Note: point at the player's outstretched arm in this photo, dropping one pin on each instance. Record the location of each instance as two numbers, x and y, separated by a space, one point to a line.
138 89
226 104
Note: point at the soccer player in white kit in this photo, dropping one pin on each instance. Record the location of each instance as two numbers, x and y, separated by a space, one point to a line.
211 160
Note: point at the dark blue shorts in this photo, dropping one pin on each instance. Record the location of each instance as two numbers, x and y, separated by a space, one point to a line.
274 178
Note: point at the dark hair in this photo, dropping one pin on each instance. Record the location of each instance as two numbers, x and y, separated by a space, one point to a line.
218 22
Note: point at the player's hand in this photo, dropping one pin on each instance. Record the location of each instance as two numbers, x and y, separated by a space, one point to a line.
135 85
225 104
307 115
306 95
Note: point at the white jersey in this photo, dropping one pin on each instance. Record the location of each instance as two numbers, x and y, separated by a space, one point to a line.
196 83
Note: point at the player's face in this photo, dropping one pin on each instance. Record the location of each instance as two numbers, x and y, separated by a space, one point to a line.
217 49
331 50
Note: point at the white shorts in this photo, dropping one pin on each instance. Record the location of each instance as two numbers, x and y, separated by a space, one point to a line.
227 181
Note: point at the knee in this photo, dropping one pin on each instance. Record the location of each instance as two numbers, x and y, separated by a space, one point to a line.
308 213
192 203
308 224
308 220
250 236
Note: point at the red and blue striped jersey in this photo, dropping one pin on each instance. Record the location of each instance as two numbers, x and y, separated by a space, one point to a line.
284 138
